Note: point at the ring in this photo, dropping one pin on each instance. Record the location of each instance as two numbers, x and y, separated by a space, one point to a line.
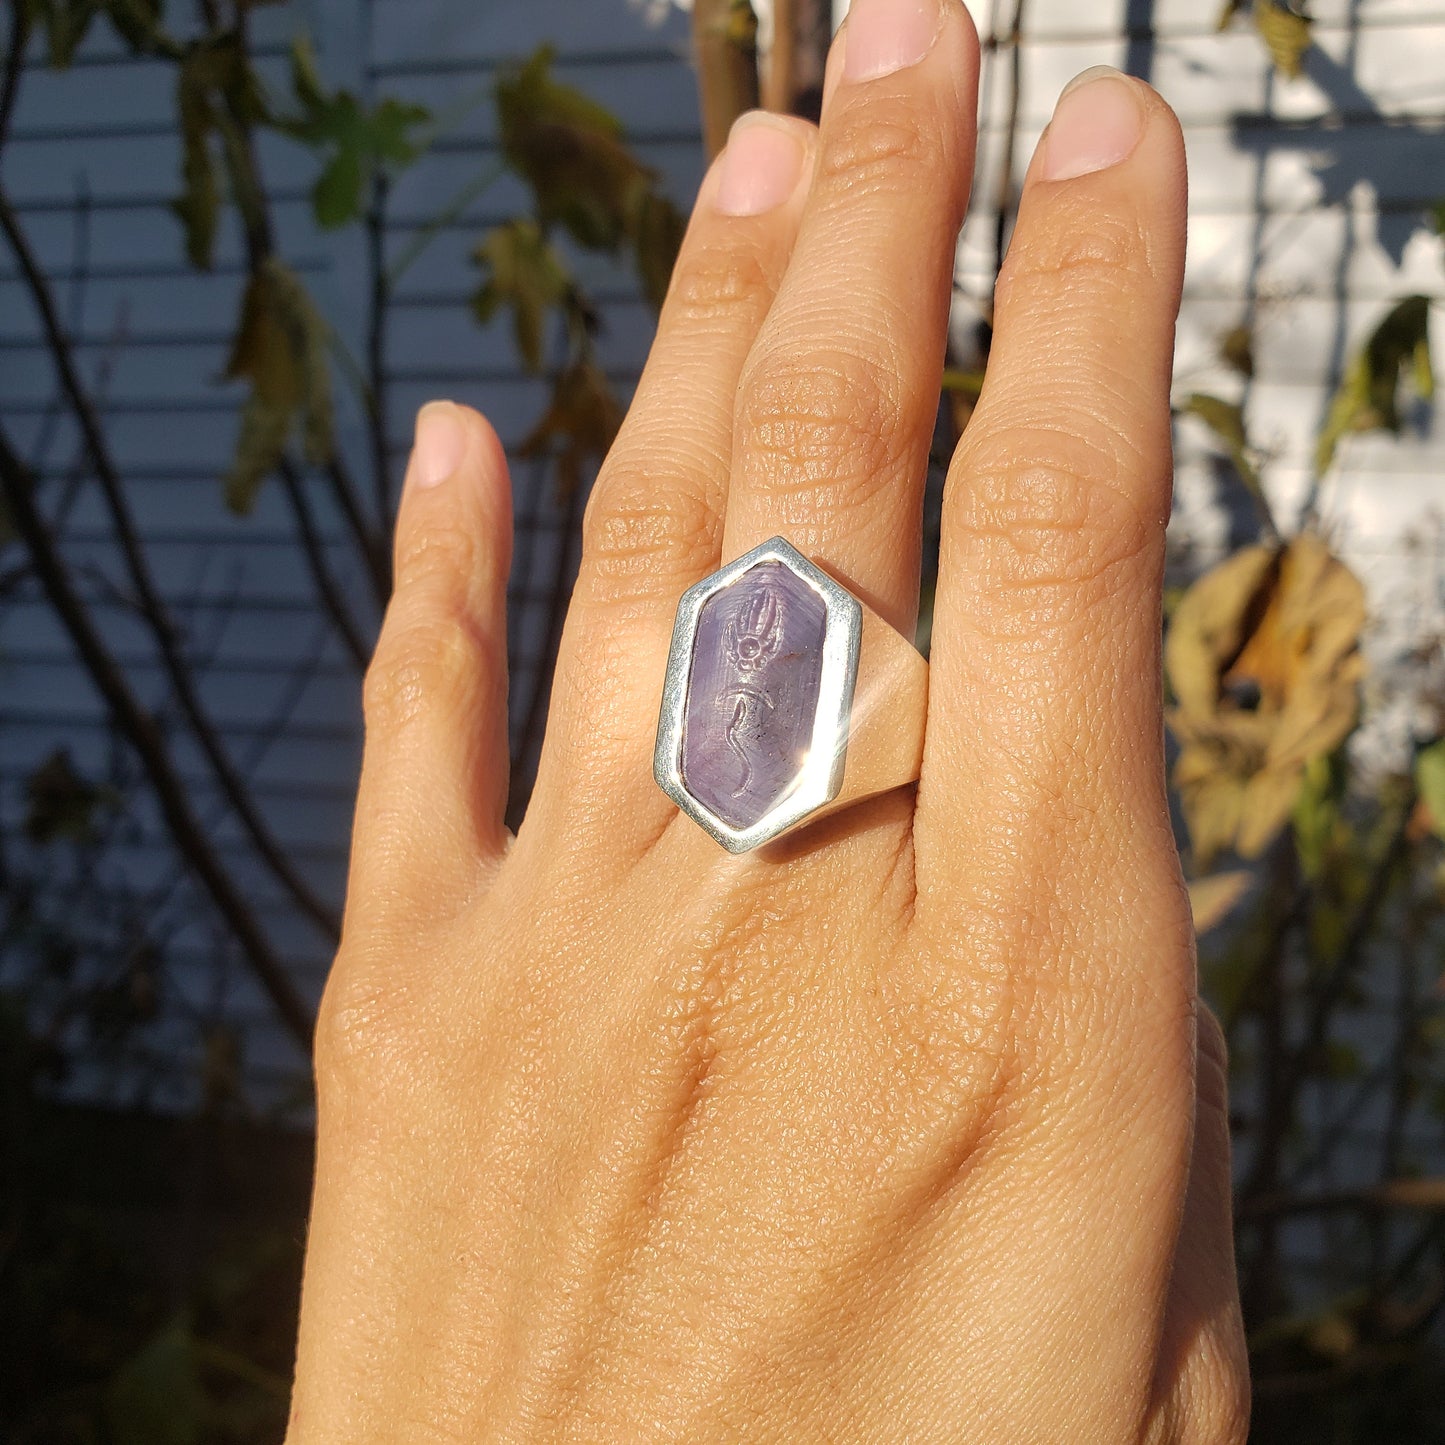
785 698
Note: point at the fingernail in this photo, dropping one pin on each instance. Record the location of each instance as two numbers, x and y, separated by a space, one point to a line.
1097 123
888 35
760 166
441 443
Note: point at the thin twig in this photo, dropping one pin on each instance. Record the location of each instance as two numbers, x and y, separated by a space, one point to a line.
152 607
1004 194
145 737
1394 1194
371 543
326 585
14 65
376 345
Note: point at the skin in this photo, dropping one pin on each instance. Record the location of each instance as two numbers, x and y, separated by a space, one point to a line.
912 1129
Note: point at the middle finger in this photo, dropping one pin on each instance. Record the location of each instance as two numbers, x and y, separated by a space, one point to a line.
837 400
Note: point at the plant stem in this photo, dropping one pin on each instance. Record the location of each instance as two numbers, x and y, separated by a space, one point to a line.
152 607
449 213
376 413
143 734
326 584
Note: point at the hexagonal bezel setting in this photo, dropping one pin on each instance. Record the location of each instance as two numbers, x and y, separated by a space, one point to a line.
820 776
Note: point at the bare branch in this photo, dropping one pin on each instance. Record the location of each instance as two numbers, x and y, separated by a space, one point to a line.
140 729
152 607
20 26
326 585
724 40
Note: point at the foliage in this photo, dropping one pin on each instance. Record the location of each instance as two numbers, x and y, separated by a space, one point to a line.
1316 876
1368 398
1263 659
113 1335
1284 28
586 184
357 143
280 348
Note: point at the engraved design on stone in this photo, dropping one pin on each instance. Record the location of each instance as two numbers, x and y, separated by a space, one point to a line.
752 692
753 726
751 640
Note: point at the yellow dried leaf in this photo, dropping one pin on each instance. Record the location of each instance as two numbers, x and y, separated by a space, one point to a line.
1212 899
1263 660
1286 36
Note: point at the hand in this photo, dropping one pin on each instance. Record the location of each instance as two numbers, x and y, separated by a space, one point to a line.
915 1132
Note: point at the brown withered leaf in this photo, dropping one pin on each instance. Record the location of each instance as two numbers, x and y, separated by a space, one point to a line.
1264 663
280 348
579 425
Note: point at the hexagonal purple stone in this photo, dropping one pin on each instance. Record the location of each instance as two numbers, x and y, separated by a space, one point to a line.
752 692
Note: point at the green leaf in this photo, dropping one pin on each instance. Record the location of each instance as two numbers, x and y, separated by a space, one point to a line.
1316 814
156 1397
354 142
1226 420
260 445
336 196
1286 35
1368 396
60 804
280 347
1430 779
569 150
522 272
1236 348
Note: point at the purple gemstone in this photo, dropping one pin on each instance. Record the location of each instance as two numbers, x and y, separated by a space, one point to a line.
752 692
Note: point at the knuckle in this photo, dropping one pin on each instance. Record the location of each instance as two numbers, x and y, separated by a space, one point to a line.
882 146
643 529
366 1040
716 286
434 556
1079 254
1039 511
1219 1397
814 427
421 662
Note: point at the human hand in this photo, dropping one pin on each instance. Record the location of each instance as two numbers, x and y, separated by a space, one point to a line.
912 1129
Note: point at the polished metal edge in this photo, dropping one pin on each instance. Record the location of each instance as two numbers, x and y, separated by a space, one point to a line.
821 777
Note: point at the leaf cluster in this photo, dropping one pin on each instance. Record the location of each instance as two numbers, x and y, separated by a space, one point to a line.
355 142
66 23
586 186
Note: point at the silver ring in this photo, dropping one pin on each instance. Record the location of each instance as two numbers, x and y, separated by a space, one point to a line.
785 698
